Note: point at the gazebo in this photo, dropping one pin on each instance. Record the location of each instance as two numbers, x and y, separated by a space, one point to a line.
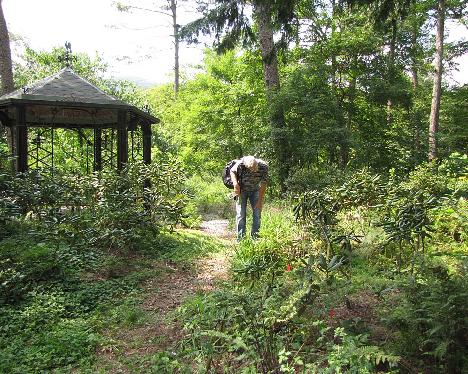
67 101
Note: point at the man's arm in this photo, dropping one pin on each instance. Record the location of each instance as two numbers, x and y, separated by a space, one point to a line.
235 182
261 195
263 185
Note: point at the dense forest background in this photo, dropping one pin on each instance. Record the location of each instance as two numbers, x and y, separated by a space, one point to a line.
352 87
362 262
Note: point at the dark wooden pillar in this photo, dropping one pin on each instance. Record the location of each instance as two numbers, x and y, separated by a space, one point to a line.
97 150
122 139
21 140
146 130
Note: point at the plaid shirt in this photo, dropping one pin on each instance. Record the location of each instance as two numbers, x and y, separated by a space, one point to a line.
249 180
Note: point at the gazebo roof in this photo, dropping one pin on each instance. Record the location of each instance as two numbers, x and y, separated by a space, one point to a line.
71 100
65 85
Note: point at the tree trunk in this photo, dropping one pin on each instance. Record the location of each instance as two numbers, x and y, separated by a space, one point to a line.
262 12
345 123
175 26
269 57
391 68
344 147
334 85
415 83
414 63
333 56
436 92
6 72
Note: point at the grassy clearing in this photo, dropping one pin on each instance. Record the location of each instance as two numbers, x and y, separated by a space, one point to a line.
63 322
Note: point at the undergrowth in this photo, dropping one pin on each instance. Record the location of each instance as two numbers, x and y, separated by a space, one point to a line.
357 285
334 284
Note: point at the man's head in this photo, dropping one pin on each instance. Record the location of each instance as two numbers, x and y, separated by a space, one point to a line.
250 163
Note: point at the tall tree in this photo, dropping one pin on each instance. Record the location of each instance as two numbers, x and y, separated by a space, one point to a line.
437 85
172 7
416 32
228 21
6 70
387 15
263 15
175 28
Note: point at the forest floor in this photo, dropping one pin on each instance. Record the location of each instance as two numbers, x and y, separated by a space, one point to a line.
129 348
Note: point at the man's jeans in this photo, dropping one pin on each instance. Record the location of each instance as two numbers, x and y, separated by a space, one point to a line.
241 209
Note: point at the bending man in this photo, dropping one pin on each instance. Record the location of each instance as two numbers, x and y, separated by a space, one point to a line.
250 177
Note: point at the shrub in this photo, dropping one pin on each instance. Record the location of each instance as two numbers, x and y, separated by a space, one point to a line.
243 327
426 179
362 188
9 207
126 213
263 257
12 284
166 362
24 264
433 320
409 222
349 354
271 252
121 211
309 178
455 165
209 196
450 224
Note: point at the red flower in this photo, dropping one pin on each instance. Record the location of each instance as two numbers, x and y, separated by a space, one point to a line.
288 267
332 313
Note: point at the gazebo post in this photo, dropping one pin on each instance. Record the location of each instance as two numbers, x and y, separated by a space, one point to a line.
146 130
97 149
21 140
122 139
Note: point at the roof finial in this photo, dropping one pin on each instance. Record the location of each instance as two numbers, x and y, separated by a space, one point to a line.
68 55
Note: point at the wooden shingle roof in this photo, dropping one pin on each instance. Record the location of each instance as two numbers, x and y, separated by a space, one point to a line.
65 85
66 89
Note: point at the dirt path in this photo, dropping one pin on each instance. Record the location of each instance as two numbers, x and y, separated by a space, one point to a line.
218 228
164 295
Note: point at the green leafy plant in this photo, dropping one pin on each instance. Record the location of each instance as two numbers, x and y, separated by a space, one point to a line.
329 267
440 314
259 258
432 318
410 224
350 354
317 210
166 362
252 325
362 188
346 242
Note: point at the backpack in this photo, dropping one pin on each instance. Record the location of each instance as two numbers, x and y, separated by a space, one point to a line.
227 174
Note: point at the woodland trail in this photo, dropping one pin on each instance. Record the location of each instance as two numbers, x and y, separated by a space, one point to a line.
163 295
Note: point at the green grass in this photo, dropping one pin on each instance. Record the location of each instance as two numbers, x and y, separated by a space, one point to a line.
187 245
